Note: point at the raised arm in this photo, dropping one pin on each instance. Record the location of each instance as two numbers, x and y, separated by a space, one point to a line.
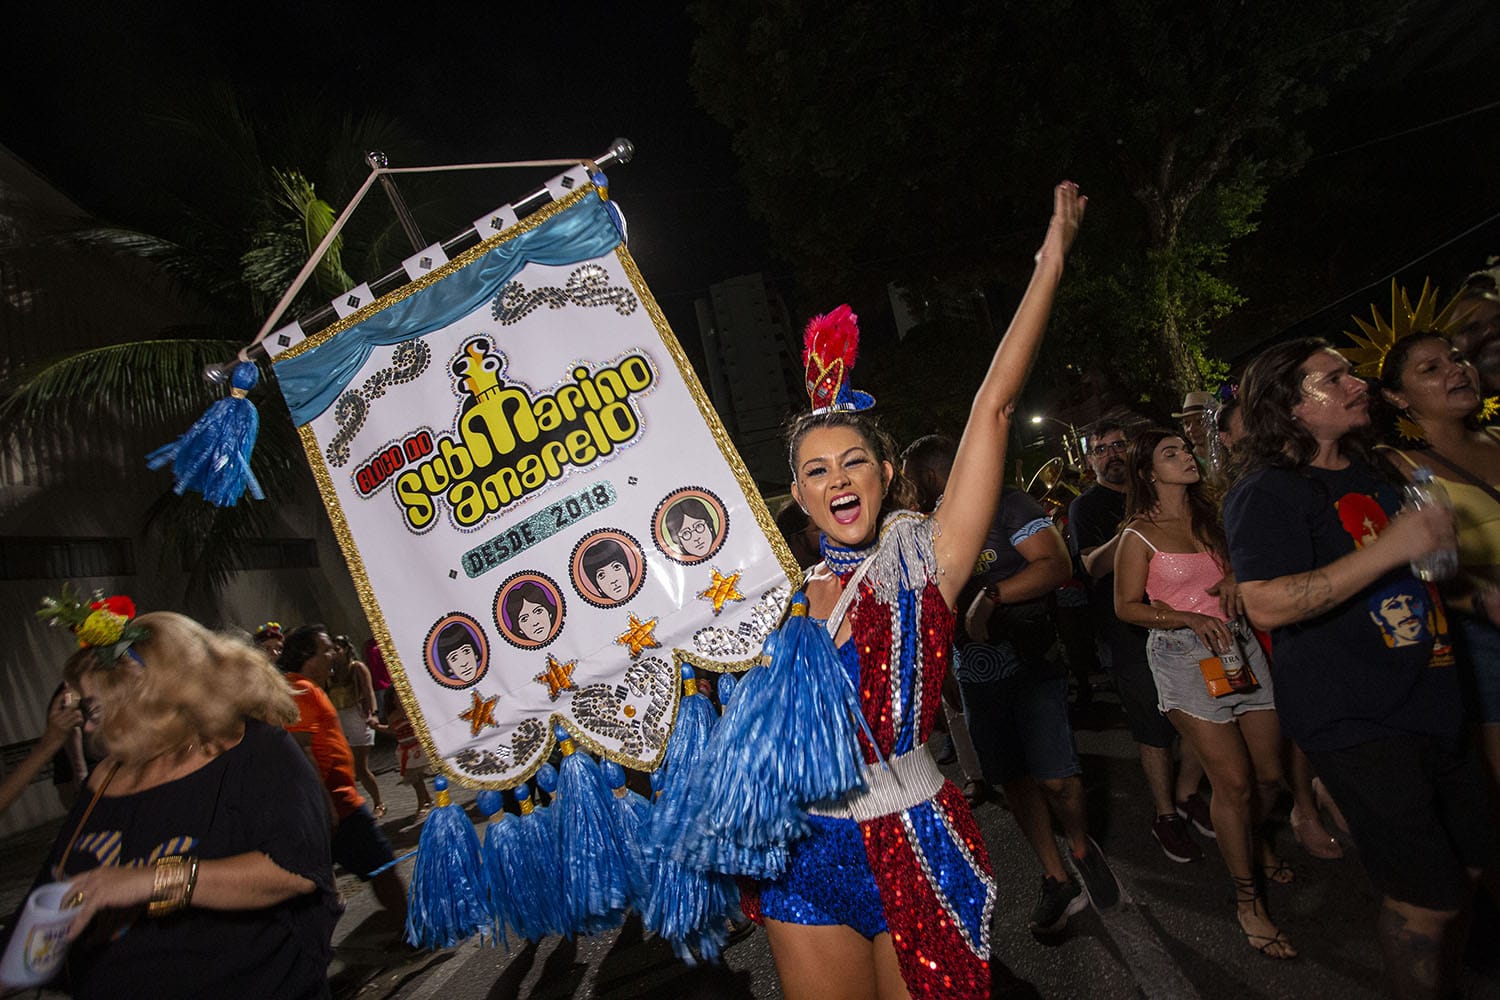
1286 600
63 719
979 465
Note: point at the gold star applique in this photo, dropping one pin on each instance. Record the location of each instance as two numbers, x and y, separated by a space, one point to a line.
639 636
481 713
722 590
558 677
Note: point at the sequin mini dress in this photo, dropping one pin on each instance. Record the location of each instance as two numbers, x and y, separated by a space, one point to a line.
908 857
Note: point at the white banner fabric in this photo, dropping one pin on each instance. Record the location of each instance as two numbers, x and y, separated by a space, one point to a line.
542 513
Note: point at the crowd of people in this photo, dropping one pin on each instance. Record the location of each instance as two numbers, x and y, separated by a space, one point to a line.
1250 578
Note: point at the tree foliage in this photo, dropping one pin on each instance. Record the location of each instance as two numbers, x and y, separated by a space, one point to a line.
891 141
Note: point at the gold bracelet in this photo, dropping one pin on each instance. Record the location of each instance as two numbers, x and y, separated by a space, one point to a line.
170 887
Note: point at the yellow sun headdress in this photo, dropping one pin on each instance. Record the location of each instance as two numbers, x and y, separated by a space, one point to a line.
1380 335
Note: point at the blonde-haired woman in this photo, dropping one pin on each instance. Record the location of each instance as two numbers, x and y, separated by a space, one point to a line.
203 803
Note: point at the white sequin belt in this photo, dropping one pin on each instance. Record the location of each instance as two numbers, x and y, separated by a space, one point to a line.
911 779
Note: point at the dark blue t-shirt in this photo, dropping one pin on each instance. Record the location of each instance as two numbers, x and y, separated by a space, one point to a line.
1377 665
1020 634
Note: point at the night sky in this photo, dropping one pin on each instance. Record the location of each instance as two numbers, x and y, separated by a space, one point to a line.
477 83
1398 168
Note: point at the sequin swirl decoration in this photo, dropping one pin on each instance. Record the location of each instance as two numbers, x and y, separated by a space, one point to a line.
723 643
587 286
609 712
529 738
408 361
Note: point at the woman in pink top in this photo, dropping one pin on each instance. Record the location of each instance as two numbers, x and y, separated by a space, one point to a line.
1171 576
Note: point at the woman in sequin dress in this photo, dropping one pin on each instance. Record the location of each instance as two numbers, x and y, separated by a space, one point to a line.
891 894
1171 576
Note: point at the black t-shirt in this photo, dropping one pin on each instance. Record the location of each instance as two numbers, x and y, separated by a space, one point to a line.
1093 519
261 795
1378 665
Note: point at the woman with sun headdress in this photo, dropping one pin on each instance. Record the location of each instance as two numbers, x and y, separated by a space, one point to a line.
885 891
1430 394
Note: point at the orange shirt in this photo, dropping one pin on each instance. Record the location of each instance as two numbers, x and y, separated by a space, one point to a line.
329 747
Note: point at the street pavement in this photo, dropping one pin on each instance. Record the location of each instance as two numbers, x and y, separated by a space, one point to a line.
1174 934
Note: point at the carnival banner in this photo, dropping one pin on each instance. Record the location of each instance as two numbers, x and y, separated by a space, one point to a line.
541 511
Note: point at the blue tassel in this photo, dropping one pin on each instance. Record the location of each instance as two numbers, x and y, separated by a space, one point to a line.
727 683
498 845
526 854
596 882
634 813
689 907
213 457
802 705
448 888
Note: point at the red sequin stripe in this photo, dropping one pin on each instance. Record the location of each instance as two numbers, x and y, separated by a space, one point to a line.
937 656
935 962
871 632
749 898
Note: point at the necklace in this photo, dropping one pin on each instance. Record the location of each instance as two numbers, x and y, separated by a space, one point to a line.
842 559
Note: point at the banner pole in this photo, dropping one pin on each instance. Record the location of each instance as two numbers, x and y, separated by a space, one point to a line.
620 151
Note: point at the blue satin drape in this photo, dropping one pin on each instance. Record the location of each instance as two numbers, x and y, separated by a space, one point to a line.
311 381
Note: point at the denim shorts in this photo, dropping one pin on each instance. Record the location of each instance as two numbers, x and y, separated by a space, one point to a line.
1174 655
1020 728
1478 645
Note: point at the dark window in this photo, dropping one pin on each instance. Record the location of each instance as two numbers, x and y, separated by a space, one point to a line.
65 558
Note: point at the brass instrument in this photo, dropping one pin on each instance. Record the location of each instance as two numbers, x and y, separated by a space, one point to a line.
1052 476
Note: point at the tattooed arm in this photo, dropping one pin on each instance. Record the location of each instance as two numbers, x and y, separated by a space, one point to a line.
1286 600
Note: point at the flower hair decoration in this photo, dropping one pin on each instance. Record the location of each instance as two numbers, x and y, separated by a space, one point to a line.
830 345
104 624
1381 334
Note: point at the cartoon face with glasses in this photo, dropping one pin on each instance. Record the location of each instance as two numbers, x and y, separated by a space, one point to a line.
690 526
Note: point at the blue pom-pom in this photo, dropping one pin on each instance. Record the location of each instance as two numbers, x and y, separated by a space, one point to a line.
489 802
596 880
633 813
803 704
213 457
449 895
520 857
688 906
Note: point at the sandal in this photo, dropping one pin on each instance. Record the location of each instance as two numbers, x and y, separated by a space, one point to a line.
380 810
1281 872
1278 945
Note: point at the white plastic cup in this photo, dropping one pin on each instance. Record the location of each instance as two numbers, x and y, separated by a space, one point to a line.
40 941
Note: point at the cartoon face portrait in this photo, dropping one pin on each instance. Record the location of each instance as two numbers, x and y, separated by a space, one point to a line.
690 525
456 653
1400 615
608 567
529 610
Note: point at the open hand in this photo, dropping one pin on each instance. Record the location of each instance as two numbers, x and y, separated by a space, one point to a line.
1067 216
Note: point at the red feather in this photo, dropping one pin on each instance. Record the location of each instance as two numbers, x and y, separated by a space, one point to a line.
834 335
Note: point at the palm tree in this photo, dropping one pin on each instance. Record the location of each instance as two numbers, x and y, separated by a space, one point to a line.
240 228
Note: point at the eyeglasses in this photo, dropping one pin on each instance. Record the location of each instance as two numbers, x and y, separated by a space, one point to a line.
699 530
1112 447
